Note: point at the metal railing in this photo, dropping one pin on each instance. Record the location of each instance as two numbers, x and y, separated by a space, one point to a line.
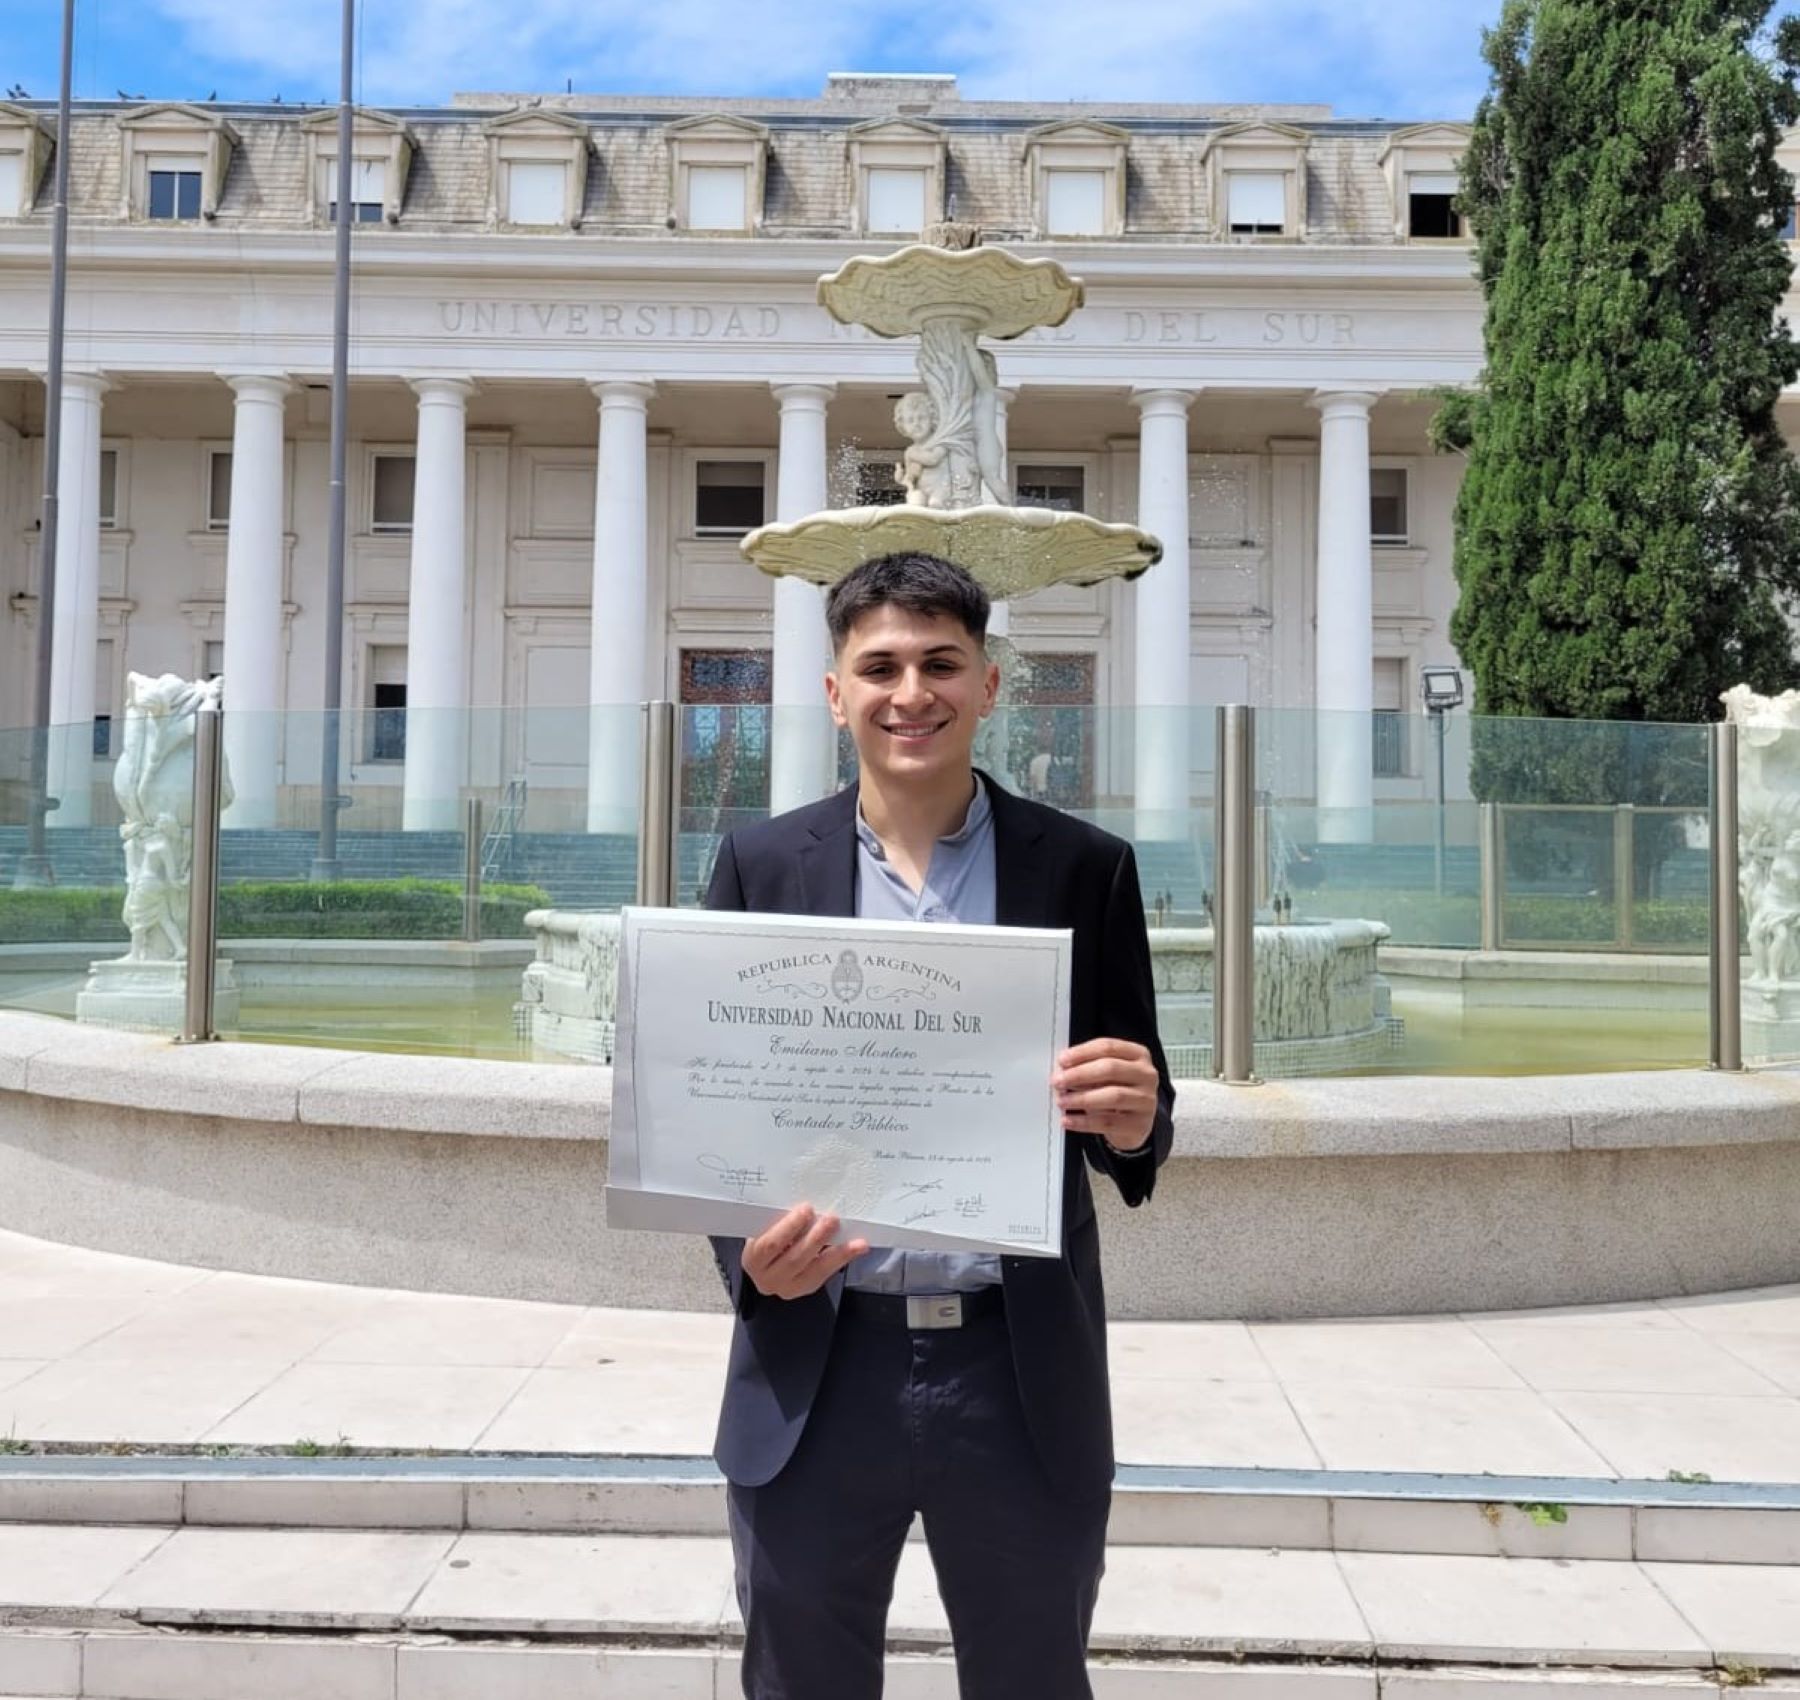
1240 851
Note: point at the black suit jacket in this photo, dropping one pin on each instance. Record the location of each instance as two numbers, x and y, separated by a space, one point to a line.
1051 870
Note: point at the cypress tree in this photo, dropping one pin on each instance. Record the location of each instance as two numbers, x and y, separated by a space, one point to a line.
1628 530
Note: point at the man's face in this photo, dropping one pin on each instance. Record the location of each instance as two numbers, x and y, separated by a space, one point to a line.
913 689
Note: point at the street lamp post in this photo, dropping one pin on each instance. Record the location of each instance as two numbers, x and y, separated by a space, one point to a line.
1441 688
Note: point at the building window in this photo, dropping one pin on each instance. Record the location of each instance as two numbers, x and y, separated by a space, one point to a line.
1074 203
392 507
174 188
387 698
1431 204
109 489
218 490
103 696
1258 202
1061 487
537 192
718 197
728 497
12 184
1791 229
1387 504
368 188
212 658
876 485
896 200
1391 719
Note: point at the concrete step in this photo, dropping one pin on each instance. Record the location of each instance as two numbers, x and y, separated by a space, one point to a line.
1294 1510
159 1613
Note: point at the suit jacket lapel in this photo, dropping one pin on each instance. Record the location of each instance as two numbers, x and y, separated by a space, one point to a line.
827 864
1021 868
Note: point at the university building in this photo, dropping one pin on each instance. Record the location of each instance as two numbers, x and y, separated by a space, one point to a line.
587 356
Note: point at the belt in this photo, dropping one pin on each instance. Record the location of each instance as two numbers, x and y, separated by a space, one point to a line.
923 1310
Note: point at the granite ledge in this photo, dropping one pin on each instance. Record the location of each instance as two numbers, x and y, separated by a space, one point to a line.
1296 1119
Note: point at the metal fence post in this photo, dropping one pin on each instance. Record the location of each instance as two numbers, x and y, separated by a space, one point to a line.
656 808
203 877
1492 876
1724 990
1234 904
1624 873
471 927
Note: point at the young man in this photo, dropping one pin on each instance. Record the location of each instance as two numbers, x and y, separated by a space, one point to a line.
867 1384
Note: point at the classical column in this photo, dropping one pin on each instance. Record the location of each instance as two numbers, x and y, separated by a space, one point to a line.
803 745
75 632
1163 664
255 550
618 677
1344 641
437 592
1000 614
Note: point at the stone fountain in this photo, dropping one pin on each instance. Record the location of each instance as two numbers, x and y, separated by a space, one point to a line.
1321 1004
950 292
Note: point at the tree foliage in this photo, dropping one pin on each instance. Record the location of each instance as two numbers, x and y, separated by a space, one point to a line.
1628 531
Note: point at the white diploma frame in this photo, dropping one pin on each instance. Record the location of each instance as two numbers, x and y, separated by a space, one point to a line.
895 1074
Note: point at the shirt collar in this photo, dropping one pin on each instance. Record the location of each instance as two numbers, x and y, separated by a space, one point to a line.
981 811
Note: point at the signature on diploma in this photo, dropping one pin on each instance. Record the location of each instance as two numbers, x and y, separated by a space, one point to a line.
736 1178
919 1188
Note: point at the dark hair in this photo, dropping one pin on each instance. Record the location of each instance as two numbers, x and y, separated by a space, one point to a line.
913 580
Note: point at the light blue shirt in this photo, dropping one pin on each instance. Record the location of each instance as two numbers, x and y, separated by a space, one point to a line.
959 886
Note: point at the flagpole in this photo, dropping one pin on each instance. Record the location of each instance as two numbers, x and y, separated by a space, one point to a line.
34 867
325 862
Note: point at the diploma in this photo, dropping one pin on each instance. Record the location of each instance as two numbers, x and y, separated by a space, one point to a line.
896 1075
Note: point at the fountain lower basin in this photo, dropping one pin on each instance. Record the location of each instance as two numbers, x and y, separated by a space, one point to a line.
1321 1004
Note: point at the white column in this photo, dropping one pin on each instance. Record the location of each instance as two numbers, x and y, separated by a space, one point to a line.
1344 638
618 677
437 594
1000 614
75 632
255 549
802 765
1164 668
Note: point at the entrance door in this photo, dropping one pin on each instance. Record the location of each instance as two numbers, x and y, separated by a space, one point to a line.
724 735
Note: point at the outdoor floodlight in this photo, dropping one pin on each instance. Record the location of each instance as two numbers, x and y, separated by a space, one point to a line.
1441 687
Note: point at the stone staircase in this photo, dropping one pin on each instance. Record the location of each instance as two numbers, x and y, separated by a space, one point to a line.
477 1578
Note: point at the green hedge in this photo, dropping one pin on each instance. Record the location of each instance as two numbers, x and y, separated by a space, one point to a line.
349 909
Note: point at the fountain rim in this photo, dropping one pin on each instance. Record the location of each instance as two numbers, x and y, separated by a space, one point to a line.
944 302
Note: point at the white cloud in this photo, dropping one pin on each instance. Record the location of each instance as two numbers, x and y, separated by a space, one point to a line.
1393 58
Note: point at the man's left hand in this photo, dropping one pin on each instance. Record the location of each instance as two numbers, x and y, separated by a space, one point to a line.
1108 1087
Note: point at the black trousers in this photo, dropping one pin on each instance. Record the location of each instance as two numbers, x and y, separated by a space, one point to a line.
925 1422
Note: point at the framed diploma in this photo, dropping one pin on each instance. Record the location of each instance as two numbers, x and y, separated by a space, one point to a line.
895 1074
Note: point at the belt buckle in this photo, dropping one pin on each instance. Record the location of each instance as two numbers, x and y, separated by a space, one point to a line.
934 1310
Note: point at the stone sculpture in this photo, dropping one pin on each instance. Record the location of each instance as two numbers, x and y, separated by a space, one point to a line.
153 781
1769 846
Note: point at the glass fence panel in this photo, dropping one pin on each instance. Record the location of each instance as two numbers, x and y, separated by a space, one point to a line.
93 907
1591 840
407 928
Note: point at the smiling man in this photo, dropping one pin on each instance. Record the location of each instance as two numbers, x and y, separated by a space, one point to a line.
868 1385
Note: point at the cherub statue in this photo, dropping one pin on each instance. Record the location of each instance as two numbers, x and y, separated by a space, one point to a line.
158 883
923 469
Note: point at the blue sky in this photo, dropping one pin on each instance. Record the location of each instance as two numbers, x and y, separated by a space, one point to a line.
1413 59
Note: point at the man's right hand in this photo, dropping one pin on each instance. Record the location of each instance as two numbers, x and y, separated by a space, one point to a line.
795 1256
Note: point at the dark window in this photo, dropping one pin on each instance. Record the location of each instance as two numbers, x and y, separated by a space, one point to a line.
174 194
393 505
389 740
1433 215
876 485
1387 504
361 212
1390 744
1060 487
728 497
103 734
1791 229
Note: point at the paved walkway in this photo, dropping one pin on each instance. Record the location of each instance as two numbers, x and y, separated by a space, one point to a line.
100 1349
